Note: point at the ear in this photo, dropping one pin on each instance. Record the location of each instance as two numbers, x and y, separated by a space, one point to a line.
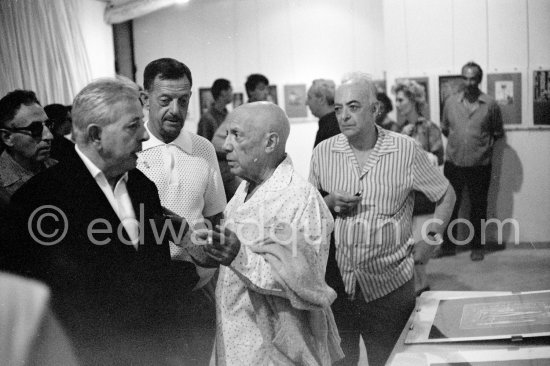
144 98
272 142
376 108
94 133
6 138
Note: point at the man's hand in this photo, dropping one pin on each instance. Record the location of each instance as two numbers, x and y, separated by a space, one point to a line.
342 202
422 252
222 245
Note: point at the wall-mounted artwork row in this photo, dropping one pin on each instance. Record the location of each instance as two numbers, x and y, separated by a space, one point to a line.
295 101
505 89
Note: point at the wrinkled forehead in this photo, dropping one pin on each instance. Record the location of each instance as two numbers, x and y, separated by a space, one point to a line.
173 87
351 92
28 114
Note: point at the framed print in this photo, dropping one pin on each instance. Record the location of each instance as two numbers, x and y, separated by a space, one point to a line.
272 96
425 82
237 99
506 91
514 316
295 101
541 97
448 85
205 99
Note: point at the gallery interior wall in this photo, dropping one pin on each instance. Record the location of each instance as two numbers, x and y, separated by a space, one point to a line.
297 41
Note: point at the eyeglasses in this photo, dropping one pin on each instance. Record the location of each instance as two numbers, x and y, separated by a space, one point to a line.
35 129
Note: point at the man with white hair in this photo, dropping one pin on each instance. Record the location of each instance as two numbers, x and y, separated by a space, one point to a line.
272 303
320 100
368 175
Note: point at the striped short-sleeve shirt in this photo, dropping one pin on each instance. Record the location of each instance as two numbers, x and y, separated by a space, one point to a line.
374 241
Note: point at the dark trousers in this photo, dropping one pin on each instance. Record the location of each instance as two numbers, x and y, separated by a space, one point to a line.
477 179
379 322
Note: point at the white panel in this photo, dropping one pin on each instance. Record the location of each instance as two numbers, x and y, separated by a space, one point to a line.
539 33
507 34
469 34
395 40
368 36
429 35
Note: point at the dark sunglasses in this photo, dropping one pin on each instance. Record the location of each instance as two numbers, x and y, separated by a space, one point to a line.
35 129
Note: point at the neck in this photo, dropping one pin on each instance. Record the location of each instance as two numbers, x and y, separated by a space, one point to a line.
472 96
156 132
364 141
264 175
111 174
219 105
412 116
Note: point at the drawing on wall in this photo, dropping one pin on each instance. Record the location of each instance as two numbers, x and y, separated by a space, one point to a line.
448 85
425 82
295 101
205 99
506 90
541 97
237 99
272 96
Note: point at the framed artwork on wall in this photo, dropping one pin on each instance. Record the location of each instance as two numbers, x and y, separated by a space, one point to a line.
380 85
506 91
541 97
272 96
448 85
425 82
237 99
205 99
295 101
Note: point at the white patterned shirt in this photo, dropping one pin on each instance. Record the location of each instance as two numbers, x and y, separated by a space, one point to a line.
374 242
188 179
283 200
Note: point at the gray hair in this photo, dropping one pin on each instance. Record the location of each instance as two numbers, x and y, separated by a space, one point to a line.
324 88
93 104
364 79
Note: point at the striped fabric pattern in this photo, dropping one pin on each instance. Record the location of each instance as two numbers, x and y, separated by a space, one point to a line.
374 242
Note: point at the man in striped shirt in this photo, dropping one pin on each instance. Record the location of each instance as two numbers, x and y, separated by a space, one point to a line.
368 176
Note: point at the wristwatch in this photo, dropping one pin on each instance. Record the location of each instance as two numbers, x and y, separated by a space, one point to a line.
435 238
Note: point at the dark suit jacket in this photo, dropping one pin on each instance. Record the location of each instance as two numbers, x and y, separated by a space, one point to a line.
107 289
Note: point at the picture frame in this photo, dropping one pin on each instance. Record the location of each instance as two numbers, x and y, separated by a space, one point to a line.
448 85
238 99
541 97
295 100
205 100
505 89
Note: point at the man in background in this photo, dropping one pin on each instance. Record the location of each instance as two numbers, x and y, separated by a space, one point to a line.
472 122
212 119
257 88
27 137
60 116
185 170
320 100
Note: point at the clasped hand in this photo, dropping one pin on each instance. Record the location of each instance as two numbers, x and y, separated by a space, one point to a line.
222 244
342 202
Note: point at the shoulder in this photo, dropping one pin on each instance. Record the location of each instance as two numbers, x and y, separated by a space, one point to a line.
326 146
202 147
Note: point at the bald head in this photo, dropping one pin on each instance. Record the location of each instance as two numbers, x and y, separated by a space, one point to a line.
257 136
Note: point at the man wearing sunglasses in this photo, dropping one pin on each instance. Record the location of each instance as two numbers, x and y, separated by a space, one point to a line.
26 138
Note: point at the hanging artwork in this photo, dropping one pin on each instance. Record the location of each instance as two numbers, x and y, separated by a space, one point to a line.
506 91
237 99
448 85
541 97
205 99
295 101
380 85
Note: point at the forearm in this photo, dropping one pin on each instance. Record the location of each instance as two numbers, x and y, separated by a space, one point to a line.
443 211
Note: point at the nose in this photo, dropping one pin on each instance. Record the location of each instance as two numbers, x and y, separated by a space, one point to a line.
145 135
174 107
46 133
227 147
345 113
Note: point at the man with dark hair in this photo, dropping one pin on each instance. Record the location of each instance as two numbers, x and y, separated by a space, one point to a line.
320 100
95 239
257 88
167 159
472 122
214 117
62 125
26 136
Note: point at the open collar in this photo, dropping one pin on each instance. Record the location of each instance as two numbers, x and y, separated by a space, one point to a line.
183 141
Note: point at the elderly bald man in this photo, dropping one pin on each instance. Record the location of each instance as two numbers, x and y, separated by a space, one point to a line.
273 305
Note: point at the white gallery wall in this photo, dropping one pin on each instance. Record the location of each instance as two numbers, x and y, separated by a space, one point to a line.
294 42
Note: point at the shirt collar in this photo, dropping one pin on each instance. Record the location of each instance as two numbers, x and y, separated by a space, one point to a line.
93 169
385 143
281 177
11 171
481 98
183 141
